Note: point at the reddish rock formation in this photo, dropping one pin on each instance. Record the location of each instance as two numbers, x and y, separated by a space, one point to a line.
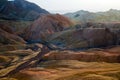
45 25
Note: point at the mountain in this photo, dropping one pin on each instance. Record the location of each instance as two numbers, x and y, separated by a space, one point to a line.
44 26
85 16
20 10
37 45
19 14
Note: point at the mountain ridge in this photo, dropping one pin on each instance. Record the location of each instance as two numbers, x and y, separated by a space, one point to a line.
83 16
20 10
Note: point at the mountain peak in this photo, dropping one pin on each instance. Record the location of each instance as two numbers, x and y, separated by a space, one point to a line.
20 10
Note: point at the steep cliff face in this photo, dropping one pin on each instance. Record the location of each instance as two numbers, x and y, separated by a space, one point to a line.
44 26
20 10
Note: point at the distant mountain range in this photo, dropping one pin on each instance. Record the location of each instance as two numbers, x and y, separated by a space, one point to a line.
85 16
20 10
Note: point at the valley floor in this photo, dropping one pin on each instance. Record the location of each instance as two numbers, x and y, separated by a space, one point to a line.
71 70
56 67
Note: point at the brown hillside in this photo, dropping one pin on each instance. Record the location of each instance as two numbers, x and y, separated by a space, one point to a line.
45 25
82 38
6 28
7 36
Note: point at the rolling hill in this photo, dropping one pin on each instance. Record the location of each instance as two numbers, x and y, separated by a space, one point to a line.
85 16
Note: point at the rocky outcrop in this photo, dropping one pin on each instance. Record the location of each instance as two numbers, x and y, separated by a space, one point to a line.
20 10
44 26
